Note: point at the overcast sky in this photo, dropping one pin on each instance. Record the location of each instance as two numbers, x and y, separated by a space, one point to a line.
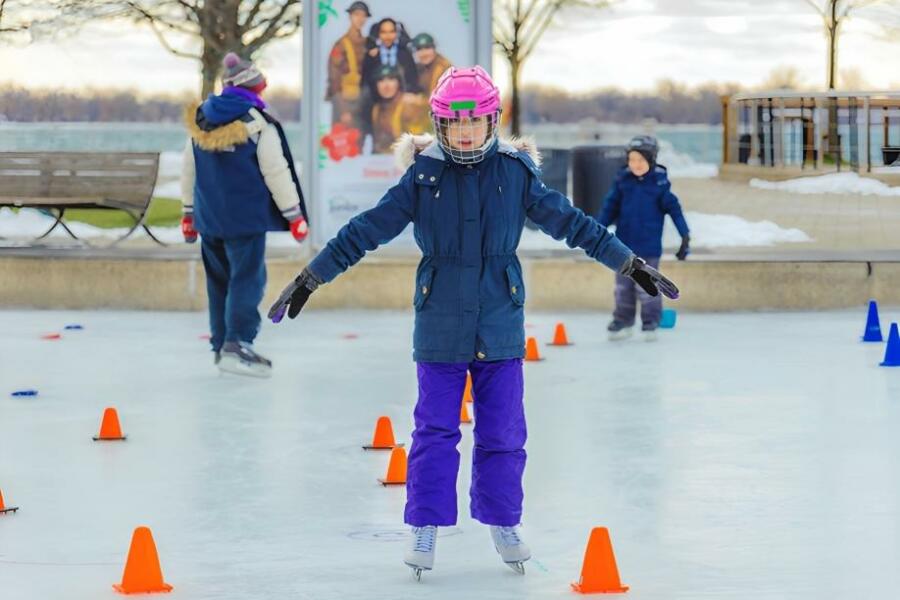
631 46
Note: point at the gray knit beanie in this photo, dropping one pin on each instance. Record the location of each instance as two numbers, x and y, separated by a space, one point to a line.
239 72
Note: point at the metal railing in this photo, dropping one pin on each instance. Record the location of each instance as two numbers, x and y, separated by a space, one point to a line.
821 131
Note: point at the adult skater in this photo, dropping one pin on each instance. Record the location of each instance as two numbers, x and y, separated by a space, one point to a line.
637 204
237 183
468 195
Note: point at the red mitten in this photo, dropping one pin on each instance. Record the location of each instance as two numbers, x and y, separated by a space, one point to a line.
299 229
187 229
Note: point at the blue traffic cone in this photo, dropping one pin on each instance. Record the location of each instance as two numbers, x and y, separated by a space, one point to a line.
669 316
873 325
892 351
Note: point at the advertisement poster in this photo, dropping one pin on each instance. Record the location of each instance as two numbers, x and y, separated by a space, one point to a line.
370 68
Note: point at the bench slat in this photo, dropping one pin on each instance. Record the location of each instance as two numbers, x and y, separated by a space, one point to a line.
122 178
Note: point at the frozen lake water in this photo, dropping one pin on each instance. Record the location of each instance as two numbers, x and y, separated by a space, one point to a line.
741 456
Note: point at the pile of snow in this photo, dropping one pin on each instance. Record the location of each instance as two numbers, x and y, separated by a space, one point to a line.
683 166
833 183
27 224
707 231
728 231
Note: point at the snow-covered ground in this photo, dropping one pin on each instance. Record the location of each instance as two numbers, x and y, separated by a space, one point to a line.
707 231
741 456
21 226
833 183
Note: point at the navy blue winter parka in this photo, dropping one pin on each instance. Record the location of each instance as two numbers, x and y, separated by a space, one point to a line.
469 293
638 206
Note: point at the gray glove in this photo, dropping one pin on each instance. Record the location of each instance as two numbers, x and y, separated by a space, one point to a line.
294 296
652 281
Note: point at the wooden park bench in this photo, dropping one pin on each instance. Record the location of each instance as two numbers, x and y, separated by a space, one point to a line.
58 181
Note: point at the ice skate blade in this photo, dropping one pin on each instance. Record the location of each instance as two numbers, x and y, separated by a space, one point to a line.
518 567
237 367
417 570
649 336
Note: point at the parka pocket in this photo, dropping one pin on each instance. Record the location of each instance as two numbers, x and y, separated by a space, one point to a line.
516 288
423 287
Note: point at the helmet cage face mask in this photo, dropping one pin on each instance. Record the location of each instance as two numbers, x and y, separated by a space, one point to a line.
467 125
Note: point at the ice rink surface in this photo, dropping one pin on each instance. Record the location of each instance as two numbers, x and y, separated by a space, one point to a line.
743 456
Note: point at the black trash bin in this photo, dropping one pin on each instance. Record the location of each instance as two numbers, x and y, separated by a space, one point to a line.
555 168
555 164
594 170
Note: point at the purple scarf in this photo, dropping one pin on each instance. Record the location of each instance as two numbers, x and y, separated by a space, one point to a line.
246 94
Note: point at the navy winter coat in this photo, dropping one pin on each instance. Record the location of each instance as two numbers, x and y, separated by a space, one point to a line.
638 206
469 293
230 195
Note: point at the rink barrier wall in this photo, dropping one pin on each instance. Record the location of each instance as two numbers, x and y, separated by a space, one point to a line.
553 284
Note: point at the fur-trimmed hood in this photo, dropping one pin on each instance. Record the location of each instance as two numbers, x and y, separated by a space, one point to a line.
219 137
409 145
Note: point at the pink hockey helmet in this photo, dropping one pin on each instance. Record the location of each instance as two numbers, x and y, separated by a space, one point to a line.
468 100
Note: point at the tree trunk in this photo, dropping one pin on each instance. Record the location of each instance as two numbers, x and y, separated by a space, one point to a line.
832 57
210 64
515 67
834 142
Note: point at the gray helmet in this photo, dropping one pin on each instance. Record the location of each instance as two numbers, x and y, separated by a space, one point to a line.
646 146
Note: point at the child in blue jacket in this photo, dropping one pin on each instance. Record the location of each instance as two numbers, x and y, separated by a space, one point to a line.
637 205
468 195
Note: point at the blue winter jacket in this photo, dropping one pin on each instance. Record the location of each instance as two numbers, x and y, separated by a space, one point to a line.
231 198
469 293
638 206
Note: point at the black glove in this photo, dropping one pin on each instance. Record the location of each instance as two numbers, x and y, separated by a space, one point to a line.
294 296
685 248
652 281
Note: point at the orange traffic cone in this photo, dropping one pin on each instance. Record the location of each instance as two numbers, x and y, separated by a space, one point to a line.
464 414
396 473
559 336
383 438
531 350
599 574
467 394
109 427
6 509
142 572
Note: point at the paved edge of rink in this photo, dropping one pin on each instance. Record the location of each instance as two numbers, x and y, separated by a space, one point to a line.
552 283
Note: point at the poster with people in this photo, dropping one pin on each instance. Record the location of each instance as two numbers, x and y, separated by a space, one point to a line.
379 60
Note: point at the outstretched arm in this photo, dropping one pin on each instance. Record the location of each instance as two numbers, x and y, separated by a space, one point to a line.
365 232
556 217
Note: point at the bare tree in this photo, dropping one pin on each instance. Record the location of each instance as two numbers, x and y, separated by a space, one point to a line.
834 13
242 26
518 27
887 17
12 19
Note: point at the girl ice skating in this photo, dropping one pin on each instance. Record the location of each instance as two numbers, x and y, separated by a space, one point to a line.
468 195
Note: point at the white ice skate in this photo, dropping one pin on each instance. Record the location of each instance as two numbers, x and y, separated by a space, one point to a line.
239 358
420 556
618 330
509 544
649 334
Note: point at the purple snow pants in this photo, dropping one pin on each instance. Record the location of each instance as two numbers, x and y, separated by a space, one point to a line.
498 460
